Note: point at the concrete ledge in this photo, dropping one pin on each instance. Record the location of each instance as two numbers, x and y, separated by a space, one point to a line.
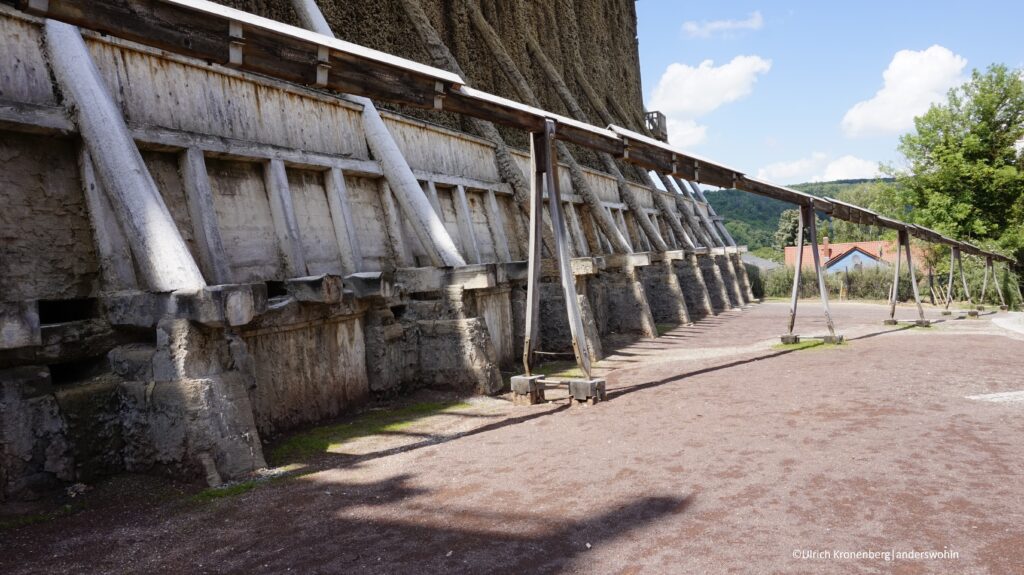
316 289
627 260
416 280
222 305
19 324
370 284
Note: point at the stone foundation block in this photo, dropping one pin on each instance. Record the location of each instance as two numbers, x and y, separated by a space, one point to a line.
590 391
528 389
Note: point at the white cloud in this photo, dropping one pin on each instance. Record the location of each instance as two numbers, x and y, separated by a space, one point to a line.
706 29
819 167
913 81
794 172
850 168
685 93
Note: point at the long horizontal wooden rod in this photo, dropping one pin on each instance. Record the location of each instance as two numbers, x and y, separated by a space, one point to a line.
231 37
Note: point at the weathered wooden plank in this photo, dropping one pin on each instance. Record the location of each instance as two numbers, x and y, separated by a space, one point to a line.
496 221
283 212
466 231
205 228
341 217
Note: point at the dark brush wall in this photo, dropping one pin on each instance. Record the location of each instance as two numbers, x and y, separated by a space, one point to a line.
596 36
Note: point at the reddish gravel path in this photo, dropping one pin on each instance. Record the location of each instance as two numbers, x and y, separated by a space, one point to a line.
714 454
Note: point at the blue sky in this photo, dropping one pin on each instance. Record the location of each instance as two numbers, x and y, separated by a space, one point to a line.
794 91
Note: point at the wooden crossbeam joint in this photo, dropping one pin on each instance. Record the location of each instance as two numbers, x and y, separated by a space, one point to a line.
323 66
236 46
439 96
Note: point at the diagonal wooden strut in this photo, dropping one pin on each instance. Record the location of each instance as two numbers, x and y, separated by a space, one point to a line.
545 179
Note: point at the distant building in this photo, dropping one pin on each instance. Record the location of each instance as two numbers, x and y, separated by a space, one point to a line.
853 255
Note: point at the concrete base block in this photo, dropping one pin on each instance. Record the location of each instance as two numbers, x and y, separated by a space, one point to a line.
1004 308
980 308
590 391
923 323
790 339
972 313
946 312
891 322
833 339
527 389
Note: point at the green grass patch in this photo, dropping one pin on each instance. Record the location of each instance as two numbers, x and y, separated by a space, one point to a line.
560 369
32 519
806 344
215 493
319 440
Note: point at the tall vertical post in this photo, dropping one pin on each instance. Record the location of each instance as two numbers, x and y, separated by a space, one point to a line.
999 289
963 276
529 388
894 290
949 285
984 284
913 280
789 337
822 287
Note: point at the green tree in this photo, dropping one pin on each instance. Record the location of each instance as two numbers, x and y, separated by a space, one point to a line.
965 175
789 226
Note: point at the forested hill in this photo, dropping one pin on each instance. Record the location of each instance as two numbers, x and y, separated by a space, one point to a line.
753 219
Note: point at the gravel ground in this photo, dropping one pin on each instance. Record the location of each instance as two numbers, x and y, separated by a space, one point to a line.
717 452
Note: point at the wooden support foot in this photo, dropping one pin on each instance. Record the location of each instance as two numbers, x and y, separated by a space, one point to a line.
923 323
1004 308
891 322
946 312
527 389
972 313
790 339
980 308
833 339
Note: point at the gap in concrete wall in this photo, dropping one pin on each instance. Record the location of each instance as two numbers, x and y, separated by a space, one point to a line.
54 311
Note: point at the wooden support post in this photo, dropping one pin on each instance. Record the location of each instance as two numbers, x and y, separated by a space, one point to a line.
949 285
285 224
431 191
160 253
579 347
963 277
894 288
496 221
999 288
576 230
115 255
205 227
341 218
416 208
913 280
822 287
531 338
984 284
790 337
393 225
466 232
